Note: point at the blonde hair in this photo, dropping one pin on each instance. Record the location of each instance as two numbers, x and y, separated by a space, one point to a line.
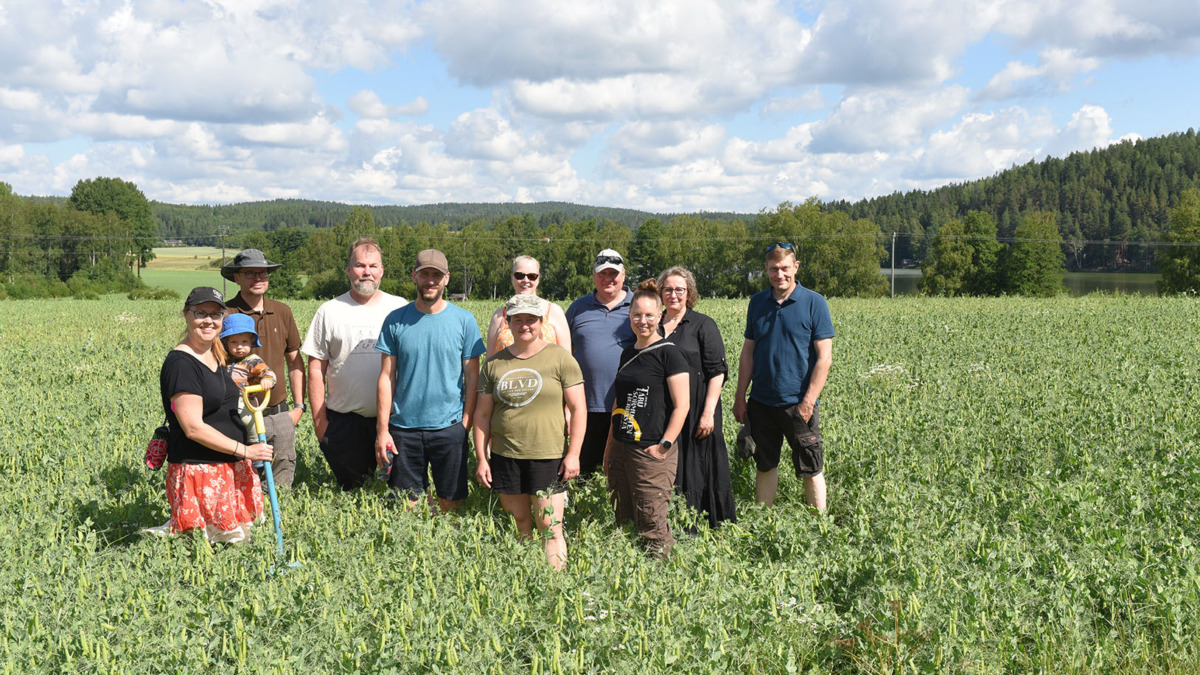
526 258
648 289
692 294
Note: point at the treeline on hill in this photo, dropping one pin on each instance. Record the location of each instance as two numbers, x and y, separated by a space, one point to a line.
1109 205
96 241
838 256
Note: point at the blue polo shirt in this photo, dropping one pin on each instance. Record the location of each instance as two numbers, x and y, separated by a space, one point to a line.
598 336
783 335
429 350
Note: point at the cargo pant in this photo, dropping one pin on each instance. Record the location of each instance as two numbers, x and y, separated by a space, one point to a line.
640 486
281 434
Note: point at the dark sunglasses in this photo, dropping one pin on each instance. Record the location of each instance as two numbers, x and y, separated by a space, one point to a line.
610 259
520 276
783 245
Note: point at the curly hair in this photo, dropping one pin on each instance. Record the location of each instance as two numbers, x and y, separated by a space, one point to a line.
692 294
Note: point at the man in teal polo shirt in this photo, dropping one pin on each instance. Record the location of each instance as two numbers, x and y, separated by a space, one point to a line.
787 354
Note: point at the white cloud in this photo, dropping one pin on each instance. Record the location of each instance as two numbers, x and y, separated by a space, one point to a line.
366 103
886 119
1089 128
649 144
981 144
1055 72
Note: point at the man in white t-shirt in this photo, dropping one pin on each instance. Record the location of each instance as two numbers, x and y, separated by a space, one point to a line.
343 366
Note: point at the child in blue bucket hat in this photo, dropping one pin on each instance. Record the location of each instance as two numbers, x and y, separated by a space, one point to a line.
239 336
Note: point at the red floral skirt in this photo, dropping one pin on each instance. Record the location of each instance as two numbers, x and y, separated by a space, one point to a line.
224 499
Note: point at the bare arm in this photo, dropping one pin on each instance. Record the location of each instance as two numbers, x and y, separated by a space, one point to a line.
558 318
189 410
678 385
295 367
493 331
470 380
384 390
745 371
816 382
577 426
482 435
316 394
708 417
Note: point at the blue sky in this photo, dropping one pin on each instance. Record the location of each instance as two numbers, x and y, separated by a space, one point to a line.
666 105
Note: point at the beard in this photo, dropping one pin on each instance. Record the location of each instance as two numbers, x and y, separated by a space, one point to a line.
365 287
432 295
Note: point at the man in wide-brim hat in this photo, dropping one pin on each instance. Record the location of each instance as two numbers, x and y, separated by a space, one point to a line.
280 339
250 257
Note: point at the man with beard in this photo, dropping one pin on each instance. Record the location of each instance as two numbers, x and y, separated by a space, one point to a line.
280 348
343 367
426 391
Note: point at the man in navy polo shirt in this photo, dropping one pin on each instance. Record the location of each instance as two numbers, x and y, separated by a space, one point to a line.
600 331
787 354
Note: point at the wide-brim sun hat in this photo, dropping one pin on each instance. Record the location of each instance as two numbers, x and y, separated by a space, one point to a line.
250 257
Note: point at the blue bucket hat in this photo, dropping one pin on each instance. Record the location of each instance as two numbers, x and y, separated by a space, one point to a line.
239 323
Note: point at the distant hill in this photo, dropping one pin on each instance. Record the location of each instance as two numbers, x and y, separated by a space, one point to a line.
199 224
1107 201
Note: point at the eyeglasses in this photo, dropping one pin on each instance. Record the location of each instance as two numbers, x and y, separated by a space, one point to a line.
674 291
610 260
200 316
261 274
521 276
783 245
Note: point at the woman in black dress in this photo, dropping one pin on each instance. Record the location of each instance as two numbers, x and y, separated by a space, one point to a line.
703 473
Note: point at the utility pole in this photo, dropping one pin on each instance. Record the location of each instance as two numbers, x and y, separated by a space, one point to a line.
893 265
221 232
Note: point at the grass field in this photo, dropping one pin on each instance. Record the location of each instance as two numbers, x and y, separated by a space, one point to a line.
1013 488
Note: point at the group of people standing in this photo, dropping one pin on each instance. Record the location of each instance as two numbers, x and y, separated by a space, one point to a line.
626 381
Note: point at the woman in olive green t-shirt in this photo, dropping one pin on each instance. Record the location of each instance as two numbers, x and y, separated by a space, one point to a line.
520 416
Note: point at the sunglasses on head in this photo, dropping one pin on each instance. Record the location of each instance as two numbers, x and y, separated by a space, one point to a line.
610 259
783 245
521 276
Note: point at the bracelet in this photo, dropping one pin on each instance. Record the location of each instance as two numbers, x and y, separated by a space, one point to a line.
236 446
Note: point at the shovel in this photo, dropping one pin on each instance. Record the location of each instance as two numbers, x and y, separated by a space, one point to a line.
262 438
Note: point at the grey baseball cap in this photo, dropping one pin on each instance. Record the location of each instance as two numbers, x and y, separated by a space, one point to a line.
250 257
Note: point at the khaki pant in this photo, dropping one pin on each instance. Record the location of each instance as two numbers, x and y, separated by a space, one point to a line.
640 486
281 434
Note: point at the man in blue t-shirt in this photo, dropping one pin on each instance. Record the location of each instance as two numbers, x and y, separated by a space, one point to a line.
600 331
787 354
426 390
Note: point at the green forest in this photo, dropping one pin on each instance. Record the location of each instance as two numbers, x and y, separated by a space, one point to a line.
1013 233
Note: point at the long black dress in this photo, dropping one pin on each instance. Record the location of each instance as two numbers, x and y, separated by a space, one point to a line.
703 474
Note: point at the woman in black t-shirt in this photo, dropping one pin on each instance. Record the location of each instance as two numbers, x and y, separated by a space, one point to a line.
211 484
652 400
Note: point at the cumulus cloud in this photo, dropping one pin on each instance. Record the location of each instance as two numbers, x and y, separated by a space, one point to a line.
366 103
886 119
1055 72
1089 128
981 144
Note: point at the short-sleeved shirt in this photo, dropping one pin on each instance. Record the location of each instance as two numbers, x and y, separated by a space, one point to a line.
598 336
784 337
429 350
643 401
527 398
343 332
183 373
278 334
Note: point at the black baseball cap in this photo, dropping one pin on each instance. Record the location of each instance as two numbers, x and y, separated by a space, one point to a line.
203 294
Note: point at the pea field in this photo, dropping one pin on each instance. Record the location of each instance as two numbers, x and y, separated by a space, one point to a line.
1013 488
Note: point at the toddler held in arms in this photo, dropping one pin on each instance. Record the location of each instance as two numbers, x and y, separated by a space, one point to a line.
239 337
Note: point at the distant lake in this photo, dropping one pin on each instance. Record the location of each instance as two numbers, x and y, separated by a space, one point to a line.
1077 283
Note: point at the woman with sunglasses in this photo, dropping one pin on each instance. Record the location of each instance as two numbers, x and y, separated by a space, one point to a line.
211 484
525 274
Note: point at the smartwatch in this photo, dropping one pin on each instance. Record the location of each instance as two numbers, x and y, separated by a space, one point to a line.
666 445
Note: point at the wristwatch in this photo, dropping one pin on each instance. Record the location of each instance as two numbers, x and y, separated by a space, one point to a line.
666 445
300 406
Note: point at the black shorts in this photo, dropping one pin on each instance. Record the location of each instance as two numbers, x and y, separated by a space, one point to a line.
770 425
591 453
525 476
422 451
